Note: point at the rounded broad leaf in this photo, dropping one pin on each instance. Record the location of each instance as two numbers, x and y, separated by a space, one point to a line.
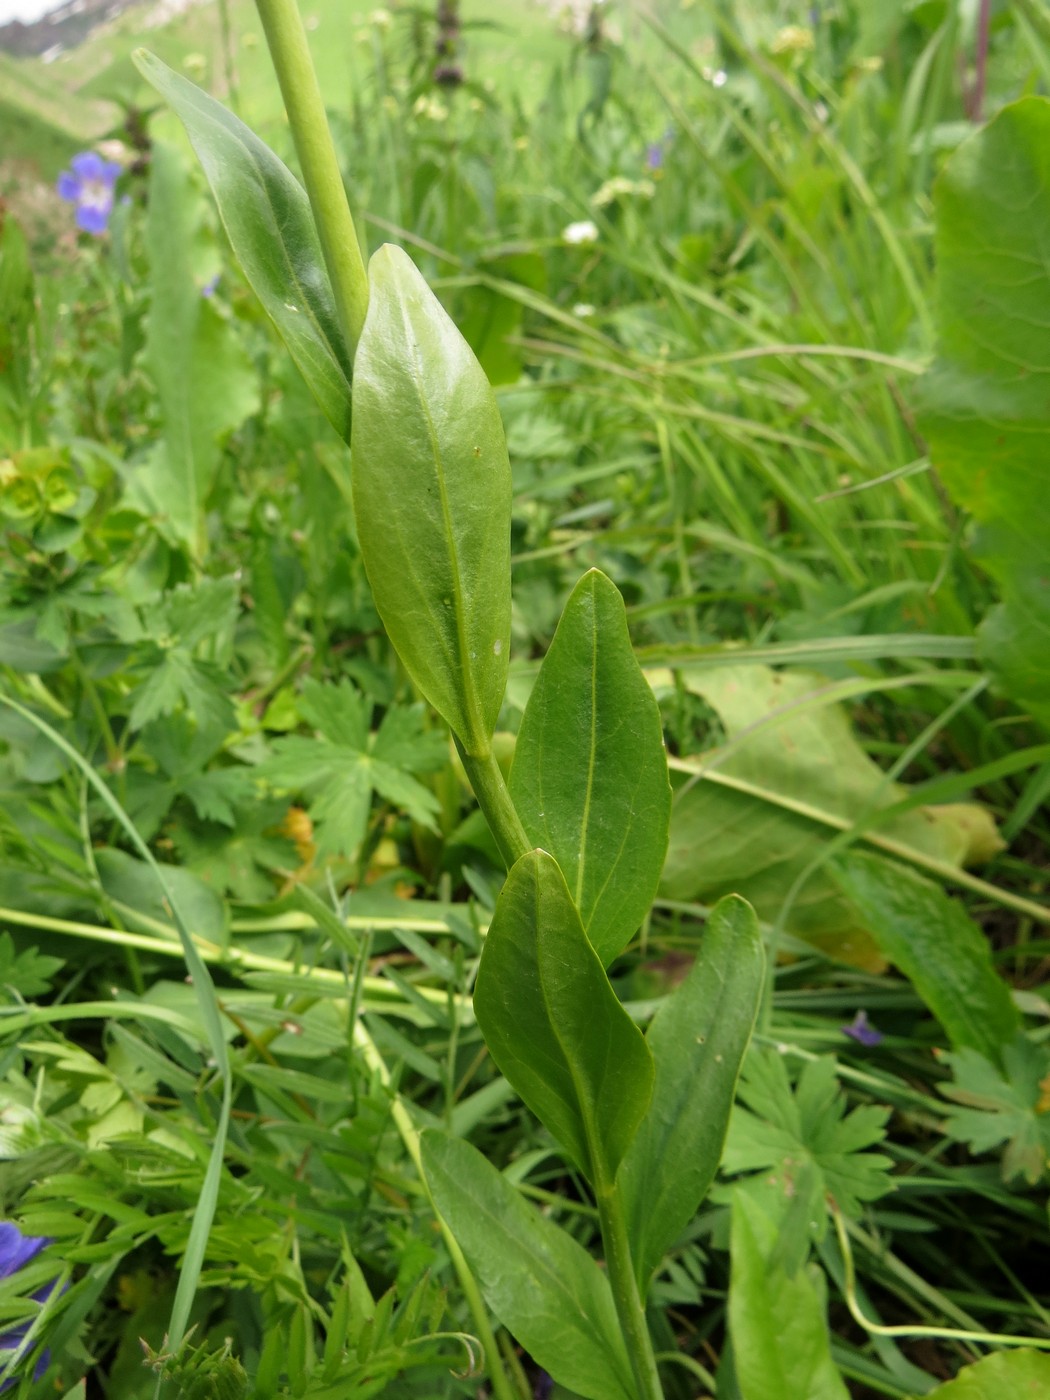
432 492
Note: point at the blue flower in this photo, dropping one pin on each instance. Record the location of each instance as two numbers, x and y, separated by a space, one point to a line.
861 1031
89 185
654 156
16 1251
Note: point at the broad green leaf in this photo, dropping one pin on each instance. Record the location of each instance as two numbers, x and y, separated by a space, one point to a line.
589 777
267 218
781 1344
792 773
984 403
1022 1375
697 1040
206 383
938 947
543 1286
431 483
554 1024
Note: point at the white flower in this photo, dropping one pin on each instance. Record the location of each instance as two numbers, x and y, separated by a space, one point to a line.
583 309
583 231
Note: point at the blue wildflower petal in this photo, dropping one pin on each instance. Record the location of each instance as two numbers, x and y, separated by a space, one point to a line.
17 1249
861 1031
68 186
89 165
93 219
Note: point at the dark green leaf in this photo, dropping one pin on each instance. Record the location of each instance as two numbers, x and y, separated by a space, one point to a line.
939 949
431 484
985 407
267 218
554 1024
544 1287
697 1040
589 778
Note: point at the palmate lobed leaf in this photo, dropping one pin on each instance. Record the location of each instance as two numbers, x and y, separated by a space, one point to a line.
803 1146
267 217
554 1024
432 491
589 778
1006 1104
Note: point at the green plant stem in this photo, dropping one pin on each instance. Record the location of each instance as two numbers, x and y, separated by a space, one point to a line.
290 52
486 778
502 1389
628 1300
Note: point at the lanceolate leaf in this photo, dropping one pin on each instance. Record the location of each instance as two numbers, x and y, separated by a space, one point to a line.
939 949
432 491
984 404
206 383
697 1039
267 216
590 774
554 1024
544 1287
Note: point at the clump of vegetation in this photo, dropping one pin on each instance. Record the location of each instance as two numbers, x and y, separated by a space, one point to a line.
523 844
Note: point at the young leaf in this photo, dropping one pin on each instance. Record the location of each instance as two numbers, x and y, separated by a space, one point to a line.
939 949
778 1324
544 1287
697 1039
590 773
431 483
554 1024
267 217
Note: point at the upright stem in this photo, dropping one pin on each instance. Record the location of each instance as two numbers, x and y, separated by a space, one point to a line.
290 52
628 1300
495 801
